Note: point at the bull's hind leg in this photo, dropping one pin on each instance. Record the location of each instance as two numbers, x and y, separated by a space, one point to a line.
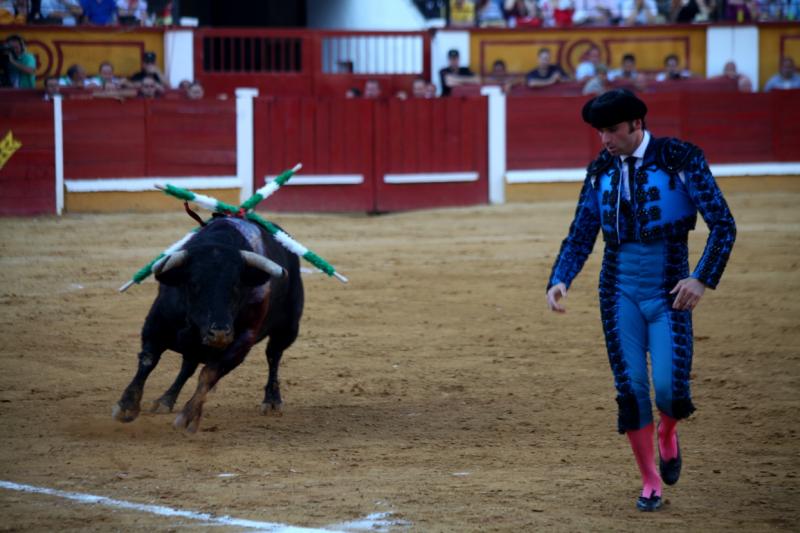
127 408
272 391
167 400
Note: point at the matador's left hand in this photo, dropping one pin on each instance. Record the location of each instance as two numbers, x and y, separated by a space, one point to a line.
689 291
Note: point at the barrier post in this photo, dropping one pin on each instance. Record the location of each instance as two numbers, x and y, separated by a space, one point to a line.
244 141
58 147
497 143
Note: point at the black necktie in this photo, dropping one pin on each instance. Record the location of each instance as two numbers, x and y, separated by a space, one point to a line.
631 161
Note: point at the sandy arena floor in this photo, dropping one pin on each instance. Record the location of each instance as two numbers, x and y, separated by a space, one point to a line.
434 386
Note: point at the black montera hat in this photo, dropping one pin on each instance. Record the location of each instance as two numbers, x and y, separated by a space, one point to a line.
613 107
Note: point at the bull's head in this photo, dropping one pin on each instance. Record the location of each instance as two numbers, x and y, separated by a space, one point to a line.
215 285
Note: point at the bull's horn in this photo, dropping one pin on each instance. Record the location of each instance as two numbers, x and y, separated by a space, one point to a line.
262 263
169 262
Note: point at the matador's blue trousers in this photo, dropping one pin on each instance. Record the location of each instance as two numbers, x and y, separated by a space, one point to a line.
638 318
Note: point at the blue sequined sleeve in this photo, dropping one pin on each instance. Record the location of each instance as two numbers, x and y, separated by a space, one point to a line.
580 239
709 201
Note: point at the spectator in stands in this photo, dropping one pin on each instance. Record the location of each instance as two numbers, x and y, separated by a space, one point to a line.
51 88
546 73
489 14
430 90
453 74
596 13
462 13
787 78
742 82
150 88
183 85
105 78
149 68
344 67
75 77
133 13
352 92
372 89
597 84
627 72
60 12
523 14
19 63
741 10
99 12
683 11
587 68
418 87
636 12
14 11
195 91
672 70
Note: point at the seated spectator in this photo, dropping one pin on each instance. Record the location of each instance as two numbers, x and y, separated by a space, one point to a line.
462 13
352 92
418 87
637 12
596 13
430 90
19 63
149 68
489 14
99 12
133 13
195 91
51 88
627 72
183 85
563 10
372 89
75 77
150 88
787 78
523 14
742 82
672 70
453 74
586 68
741 10
498 74
683 11
545 74
597 84
60 12
13 11
105 78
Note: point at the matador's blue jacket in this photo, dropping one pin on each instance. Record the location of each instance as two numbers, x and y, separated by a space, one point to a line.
672 184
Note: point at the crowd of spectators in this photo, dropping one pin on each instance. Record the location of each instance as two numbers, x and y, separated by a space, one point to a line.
90 12
565 13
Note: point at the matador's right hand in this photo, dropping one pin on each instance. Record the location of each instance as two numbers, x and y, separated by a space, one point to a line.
554 294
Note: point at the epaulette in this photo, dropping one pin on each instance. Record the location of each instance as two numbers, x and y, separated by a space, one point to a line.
673 154
600 164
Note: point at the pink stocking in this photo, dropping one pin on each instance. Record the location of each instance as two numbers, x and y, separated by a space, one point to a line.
642 444
667 437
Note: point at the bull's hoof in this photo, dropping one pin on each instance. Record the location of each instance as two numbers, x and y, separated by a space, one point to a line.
184 422
272 408
124 415
161 406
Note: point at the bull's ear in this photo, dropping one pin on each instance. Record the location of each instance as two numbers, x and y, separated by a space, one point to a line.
172 269
253 277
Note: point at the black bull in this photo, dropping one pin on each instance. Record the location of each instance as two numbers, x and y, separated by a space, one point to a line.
230 287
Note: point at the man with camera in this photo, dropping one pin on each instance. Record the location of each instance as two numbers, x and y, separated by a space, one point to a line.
19 65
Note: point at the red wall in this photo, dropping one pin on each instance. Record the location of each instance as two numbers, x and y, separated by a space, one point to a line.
27 181
137 138
371 138
547 132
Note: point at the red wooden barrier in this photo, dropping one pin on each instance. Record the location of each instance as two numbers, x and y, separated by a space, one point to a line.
731 127
27 181
137 138
432 138
333 138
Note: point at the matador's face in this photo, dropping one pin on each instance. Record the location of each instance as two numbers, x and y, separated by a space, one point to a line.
622 138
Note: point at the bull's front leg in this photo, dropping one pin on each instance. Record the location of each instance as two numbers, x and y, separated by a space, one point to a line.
192 412
167 400
127 408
